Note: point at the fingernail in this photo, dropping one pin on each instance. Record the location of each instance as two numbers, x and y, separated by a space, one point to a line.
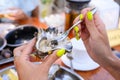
81 16
77 36
76 29
49 52
33 55
89 15
77 32
60 52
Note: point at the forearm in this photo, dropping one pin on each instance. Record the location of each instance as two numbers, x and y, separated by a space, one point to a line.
112 65
30 19
27 20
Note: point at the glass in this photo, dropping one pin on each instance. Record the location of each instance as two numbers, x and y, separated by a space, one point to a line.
72 10
45 7
56 21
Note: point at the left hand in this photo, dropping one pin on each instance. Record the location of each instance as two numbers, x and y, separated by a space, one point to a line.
93 33
16 14
28 70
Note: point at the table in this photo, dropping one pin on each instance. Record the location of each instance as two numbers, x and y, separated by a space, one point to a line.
97 74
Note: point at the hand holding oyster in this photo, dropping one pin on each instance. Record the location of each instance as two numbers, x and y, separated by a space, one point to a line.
47 43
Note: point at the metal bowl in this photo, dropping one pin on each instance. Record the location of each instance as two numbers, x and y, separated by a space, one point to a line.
20 35
2 43
57 72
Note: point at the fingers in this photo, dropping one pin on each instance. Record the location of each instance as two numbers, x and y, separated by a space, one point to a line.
18 55
18 52
20 49
53 57
24 50
89 20
98 21
83 12
29 47
99 24
78 28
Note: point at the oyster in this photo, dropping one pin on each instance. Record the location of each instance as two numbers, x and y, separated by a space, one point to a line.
46 42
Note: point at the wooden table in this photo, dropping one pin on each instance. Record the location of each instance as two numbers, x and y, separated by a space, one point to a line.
97 74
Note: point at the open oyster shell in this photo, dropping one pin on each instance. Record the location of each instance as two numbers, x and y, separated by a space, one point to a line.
46 42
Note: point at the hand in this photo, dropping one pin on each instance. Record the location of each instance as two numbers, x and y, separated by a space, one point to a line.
16 14
94 36
29 71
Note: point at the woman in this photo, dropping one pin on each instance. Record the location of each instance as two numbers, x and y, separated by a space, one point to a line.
18 10
92 31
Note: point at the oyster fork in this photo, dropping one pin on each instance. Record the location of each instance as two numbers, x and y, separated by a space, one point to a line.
65 34
69 56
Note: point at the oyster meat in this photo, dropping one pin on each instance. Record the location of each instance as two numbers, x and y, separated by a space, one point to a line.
46 42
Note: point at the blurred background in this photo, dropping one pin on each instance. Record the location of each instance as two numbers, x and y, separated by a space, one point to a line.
20 20
109 14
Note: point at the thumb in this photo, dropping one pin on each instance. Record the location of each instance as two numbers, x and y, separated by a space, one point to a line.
29 47
89 20
53 57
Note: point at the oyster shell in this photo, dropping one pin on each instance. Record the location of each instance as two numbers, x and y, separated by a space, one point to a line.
46 42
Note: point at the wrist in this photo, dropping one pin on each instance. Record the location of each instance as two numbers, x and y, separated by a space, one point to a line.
110 62
112 65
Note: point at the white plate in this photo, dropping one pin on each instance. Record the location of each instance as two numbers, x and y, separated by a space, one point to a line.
81 60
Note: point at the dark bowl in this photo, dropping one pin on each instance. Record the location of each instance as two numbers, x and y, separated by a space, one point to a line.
77 4
78 1
2 43
20 35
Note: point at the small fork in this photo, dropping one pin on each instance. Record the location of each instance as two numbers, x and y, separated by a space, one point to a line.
65 34
69 56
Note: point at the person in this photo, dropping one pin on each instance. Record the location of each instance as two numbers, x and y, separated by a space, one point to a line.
19 10
93 33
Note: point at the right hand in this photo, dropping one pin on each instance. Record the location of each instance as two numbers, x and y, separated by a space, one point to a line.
94 36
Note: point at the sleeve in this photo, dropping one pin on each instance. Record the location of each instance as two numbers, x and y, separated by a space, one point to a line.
36 2
29 5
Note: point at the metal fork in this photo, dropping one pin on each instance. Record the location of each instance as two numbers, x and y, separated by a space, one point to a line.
65 34
69 56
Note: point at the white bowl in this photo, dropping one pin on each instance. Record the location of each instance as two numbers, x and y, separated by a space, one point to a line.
81 59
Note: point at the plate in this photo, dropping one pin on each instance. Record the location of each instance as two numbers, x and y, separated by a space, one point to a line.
81 60
4 61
